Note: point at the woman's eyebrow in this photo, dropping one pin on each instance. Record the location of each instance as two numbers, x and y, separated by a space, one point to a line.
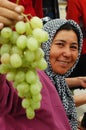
75 43
60 40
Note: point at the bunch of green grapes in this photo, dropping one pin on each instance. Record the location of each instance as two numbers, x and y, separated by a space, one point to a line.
21 55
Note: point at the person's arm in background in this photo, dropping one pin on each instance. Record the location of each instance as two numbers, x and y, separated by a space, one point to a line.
76 81
10 13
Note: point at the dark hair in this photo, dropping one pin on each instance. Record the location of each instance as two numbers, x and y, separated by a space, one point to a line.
68 26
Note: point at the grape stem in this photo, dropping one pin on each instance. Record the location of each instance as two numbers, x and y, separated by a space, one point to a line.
26 16
17 2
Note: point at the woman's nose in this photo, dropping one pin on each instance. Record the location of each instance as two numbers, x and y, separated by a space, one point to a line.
67 52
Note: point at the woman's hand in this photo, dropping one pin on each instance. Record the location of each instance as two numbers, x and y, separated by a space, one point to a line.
10 13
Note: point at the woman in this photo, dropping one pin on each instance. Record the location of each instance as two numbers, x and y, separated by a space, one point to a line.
62 52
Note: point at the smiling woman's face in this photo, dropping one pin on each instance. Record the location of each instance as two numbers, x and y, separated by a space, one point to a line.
64 51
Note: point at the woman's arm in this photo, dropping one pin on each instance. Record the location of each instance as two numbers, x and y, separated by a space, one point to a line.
75 82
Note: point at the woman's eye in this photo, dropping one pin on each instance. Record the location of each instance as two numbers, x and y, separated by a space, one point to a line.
60 44
74 47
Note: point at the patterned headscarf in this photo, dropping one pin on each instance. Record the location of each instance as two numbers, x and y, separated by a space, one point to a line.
59 80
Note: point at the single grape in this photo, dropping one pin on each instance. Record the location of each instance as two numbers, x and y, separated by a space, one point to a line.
5 68
10 76
40 35
6 32
29 56
21 41
30 113
3 40
5 58
20 76
17 50
34 64
37 97
15 60
32 44
20 27
35 105
23 88
5 48
28 29
26 103
14 37
31 76
39 53
35 88
36 22
42 64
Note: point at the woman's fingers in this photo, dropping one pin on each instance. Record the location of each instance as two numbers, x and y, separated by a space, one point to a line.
10 13
4 12
11 6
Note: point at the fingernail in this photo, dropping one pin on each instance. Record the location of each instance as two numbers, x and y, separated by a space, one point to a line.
18 9
1 25
20 17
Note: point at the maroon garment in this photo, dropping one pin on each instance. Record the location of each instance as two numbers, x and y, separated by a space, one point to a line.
33 7
51 115
76 10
